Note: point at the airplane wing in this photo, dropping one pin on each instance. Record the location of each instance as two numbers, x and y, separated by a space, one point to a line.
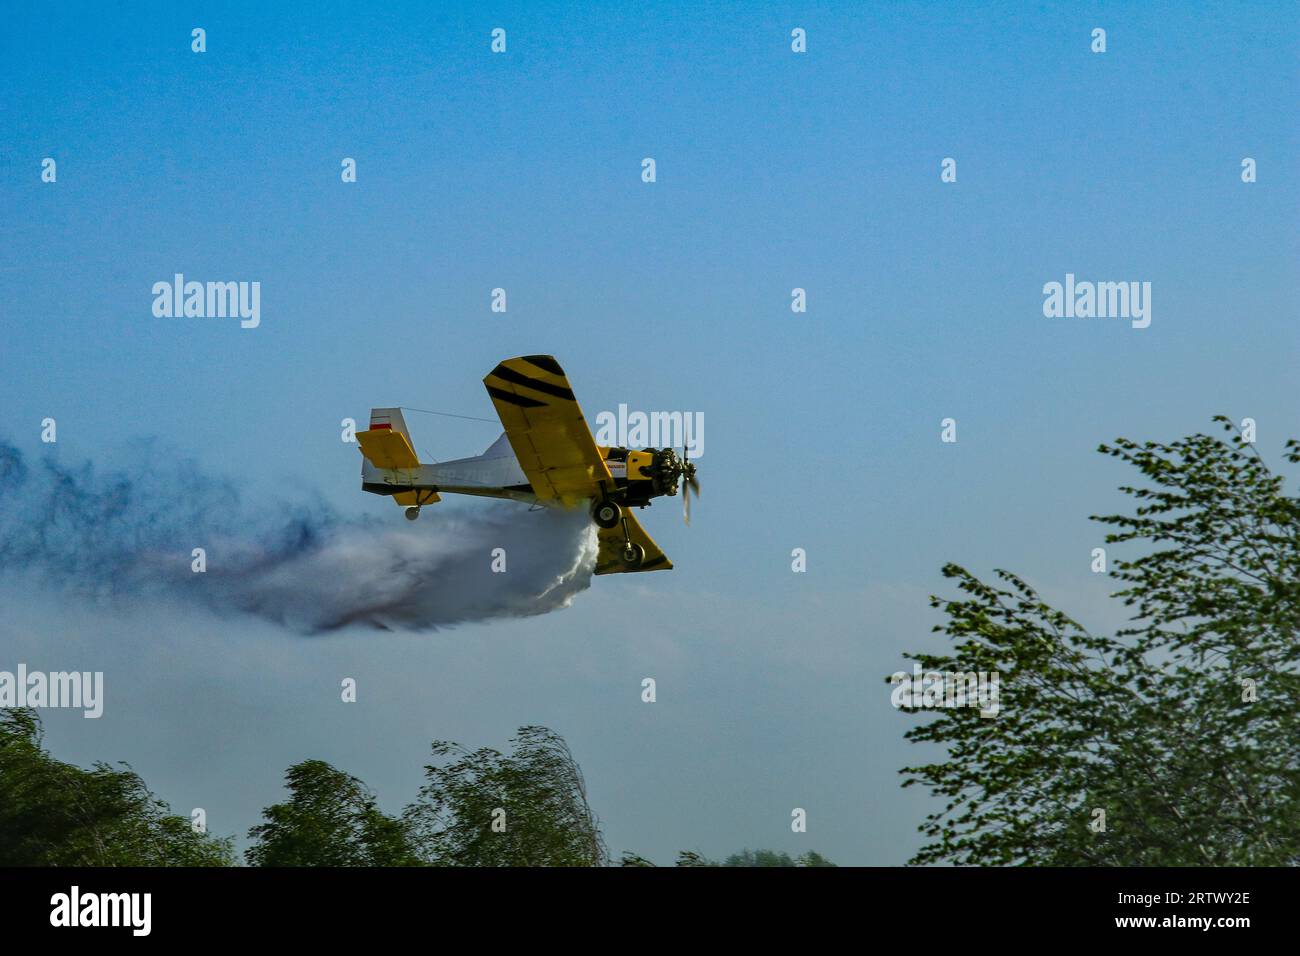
609 560
546 430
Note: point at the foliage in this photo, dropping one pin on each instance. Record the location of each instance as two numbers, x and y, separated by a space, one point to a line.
743 858
57 814
330 819
1181 729
484 808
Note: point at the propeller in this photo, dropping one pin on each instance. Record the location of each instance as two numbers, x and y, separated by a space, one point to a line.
689 484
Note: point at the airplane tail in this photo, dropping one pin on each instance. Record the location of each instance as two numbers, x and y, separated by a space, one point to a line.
387 443
390 418
387 446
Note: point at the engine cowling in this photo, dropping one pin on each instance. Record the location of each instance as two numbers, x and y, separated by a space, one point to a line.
665 470
650 472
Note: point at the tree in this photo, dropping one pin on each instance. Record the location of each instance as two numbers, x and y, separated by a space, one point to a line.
57 814
488 809
330 819
691 858
1173 742
749 857
814 859
743 858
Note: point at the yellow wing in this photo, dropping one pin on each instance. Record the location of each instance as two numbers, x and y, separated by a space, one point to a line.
610 558
547 431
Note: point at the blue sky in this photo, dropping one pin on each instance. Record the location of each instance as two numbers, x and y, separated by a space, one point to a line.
522 171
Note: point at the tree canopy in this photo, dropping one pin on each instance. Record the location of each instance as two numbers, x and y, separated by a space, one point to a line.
57 814
330 819
485 808
477 808
743 858
1171 742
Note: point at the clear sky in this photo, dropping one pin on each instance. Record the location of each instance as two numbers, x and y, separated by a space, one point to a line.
522 170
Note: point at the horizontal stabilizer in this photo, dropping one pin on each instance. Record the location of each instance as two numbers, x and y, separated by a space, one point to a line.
387 444
387 449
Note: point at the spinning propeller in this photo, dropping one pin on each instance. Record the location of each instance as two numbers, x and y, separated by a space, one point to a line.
689 484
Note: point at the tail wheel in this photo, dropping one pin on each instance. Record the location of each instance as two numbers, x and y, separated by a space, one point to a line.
606 513
633 555
412 513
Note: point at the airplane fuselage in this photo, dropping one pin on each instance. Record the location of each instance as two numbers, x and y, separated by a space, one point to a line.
497 474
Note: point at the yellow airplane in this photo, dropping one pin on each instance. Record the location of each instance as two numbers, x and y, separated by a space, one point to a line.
547 456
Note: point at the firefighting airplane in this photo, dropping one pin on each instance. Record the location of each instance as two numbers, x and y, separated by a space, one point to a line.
547 456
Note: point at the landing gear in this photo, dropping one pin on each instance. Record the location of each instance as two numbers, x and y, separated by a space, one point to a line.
422 497
606 513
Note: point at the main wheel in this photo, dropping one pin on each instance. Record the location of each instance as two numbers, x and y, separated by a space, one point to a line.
633 555
412 513
606 513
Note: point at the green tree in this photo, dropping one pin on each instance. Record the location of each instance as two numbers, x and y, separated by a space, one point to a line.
745 858
813 858
57 814
1174 742
749 857
691 858
330 819
484 808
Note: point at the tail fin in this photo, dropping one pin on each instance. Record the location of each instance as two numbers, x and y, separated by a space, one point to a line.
390 418
388 444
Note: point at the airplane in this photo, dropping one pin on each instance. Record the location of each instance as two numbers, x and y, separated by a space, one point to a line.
547 456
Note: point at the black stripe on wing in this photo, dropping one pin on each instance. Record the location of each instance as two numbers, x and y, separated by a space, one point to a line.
511 398
545 363
507 374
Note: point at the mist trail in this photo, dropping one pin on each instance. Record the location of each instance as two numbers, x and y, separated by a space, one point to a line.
128 534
